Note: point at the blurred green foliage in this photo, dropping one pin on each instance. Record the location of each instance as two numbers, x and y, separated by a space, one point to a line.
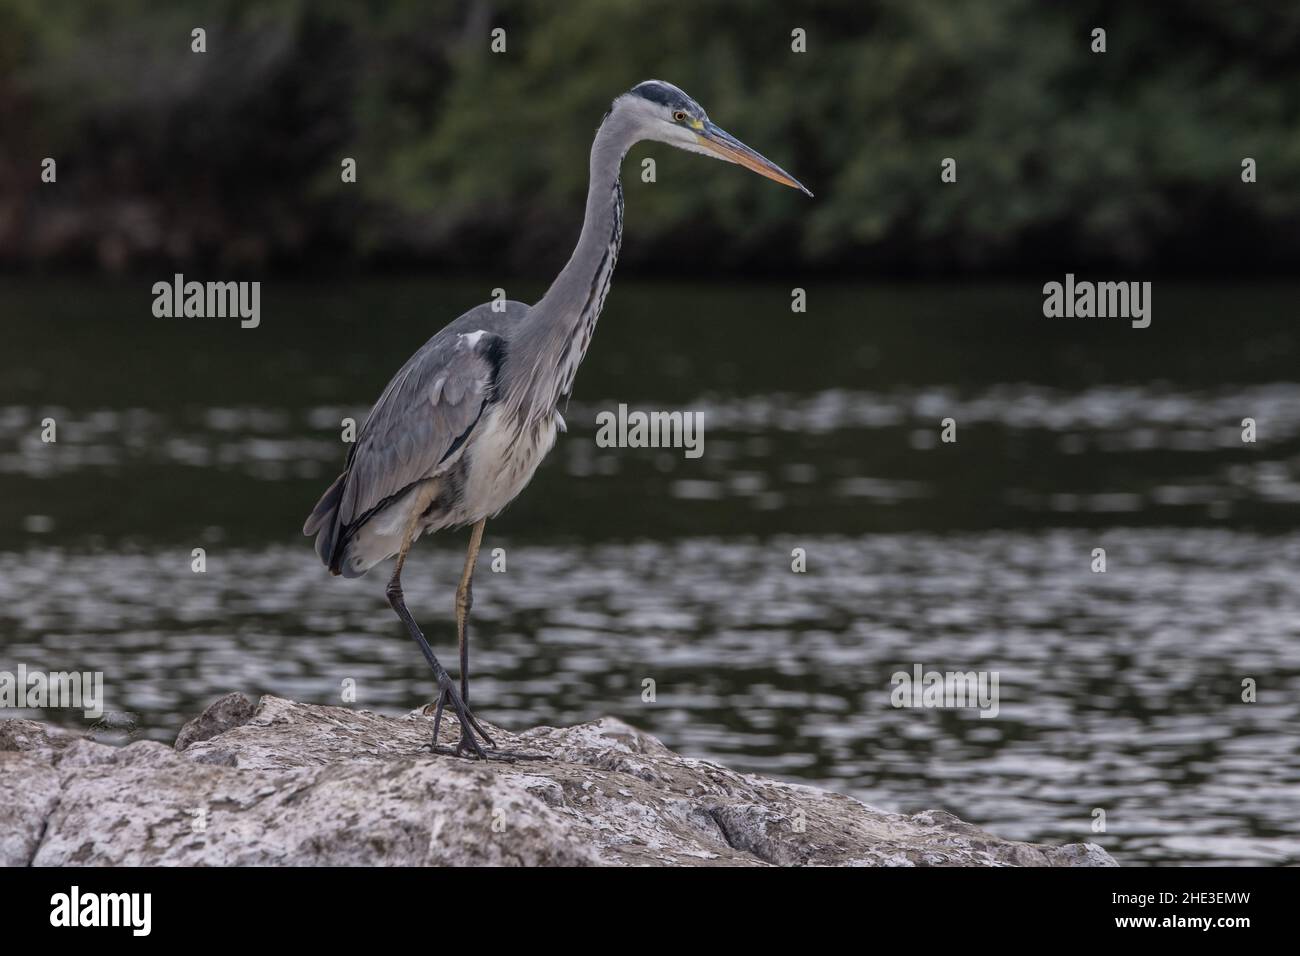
470 159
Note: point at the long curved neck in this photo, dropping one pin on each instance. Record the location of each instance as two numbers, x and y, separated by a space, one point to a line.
603 224
559 327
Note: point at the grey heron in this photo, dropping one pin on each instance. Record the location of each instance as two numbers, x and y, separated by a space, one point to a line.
463 425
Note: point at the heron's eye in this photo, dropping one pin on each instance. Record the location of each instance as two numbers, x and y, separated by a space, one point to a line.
679 116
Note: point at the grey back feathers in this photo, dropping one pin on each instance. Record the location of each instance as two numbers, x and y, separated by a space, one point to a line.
419 424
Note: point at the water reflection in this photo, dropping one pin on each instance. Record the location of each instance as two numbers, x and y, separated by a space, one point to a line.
1101 702
1120 691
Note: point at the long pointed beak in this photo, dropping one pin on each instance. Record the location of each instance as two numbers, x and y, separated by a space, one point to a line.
725 146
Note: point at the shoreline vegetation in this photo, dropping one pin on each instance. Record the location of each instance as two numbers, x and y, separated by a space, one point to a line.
940 139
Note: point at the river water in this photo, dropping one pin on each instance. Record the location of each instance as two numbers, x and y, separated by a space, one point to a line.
1120 694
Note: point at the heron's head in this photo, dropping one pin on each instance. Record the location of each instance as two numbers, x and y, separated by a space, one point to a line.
661 112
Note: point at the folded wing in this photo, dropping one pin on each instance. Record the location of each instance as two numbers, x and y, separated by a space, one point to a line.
415 431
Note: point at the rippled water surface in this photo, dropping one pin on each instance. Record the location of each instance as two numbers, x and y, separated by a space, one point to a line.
1118 691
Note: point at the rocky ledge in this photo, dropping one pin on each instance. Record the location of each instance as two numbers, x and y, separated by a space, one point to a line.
302 784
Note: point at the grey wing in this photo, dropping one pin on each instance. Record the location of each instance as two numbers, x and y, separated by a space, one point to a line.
415 430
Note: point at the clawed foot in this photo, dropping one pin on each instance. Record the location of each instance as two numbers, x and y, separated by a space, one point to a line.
462 749
468 745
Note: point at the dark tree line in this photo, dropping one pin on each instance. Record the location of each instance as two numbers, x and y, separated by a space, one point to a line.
1065 158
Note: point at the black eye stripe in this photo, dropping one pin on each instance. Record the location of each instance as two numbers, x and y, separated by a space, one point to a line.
665 95
658 93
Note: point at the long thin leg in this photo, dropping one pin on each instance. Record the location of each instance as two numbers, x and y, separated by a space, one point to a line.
446 688
465 601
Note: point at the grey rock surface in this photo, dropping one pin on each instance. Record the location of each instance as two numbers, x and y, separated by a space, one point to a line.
305 784
225 713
